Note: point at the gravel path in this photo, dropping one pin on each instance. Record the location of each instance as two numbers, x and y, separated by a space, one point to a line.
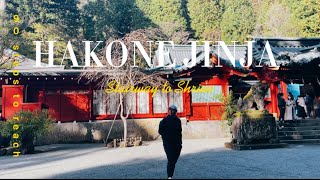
205 158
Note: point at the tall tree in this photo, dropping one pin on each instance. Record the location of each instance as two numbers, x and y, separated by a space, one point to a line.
260 9
238 21
206 16
275 18
126 75
93 24
10 38
166 14
44 18
280 22
103 19
63 13
307 13
44 32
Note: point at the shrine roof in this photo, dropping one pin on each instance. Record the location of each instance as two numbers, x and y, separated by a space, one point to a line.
181 52
26 66
287 51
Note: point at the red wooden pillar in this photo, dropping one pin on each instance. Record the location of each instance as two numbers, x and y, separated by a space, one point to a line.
41 97
284 90
150 104
90 101
44 90
274 101
59 94
12 99
187 103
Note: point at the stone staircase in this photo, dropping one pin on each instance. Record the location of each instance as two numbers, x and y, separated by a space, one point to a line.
300 132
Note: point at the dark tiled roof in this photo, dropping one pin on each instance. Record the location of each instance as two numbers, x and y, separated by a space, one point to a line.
180 52
287 51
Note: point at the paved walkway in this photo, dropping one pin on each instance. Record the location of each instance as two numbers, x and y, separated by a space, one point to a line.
206 158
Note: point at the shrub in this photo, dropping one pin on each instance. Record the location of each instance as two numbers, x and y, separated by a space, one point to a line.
31 125
230 107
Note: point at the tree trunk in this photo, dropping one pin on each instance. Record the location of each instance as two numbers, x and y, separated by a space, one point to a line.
124 120
125 130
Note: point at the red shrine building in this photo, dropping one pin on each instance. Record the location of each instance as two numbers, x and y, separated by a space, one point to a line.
70 99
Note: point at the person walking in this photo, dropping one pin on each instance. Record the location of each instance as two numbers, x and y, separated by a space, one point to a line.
316 106
171 133
290 106
301 107
281 106
309 104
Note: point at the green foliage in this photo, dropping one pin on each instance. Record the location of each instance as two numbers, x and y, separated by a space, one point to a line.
94 20
62 13
31 125
230 107
307 13
238 21
65 15
260 8
166 14
43 20
103 19
94 25
206 16
44 32
275 19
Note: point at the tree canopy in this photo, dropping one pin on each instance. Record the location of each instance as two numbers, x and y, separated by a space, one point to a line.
179 20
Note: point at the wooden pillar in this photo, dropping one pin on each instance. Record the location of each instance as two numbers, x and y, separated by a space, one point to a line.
91 101
12 99
187 103
284 90
59 94
150 104
41 95
274 101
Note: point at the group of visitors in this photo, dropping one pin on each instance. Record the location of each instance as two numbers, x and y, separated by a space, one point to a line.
301 108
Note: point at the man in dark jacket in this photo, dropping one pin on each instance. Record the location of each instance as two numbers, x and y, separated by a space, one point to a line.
171 133
281 106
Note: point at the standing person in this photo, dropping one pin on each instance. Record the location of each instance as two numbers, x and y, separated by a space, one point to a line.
290 106
281 106
316 106
171 133
301 107
309 104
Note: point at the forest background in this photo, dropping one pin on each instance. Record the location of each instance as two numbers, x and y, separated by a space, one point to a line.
177 20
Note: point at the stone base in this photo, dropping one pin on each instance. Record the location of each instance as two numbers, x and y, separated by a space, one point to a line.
96 132
240 147
254 127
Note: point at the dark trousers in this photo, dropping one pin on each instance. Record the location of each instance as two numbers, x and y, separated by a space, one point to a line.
282 111
309 109
172 150
318 113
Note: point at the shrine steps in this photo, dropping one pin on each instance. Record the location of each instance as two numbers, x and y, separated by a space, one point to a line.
300 132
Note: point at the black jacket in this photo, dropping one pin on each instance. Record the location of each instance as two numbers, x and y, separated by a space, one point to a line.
170 129
281 102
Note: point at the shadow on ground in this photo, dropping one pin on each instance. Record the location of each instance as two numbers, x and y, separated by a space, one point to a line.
42 155
213 163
